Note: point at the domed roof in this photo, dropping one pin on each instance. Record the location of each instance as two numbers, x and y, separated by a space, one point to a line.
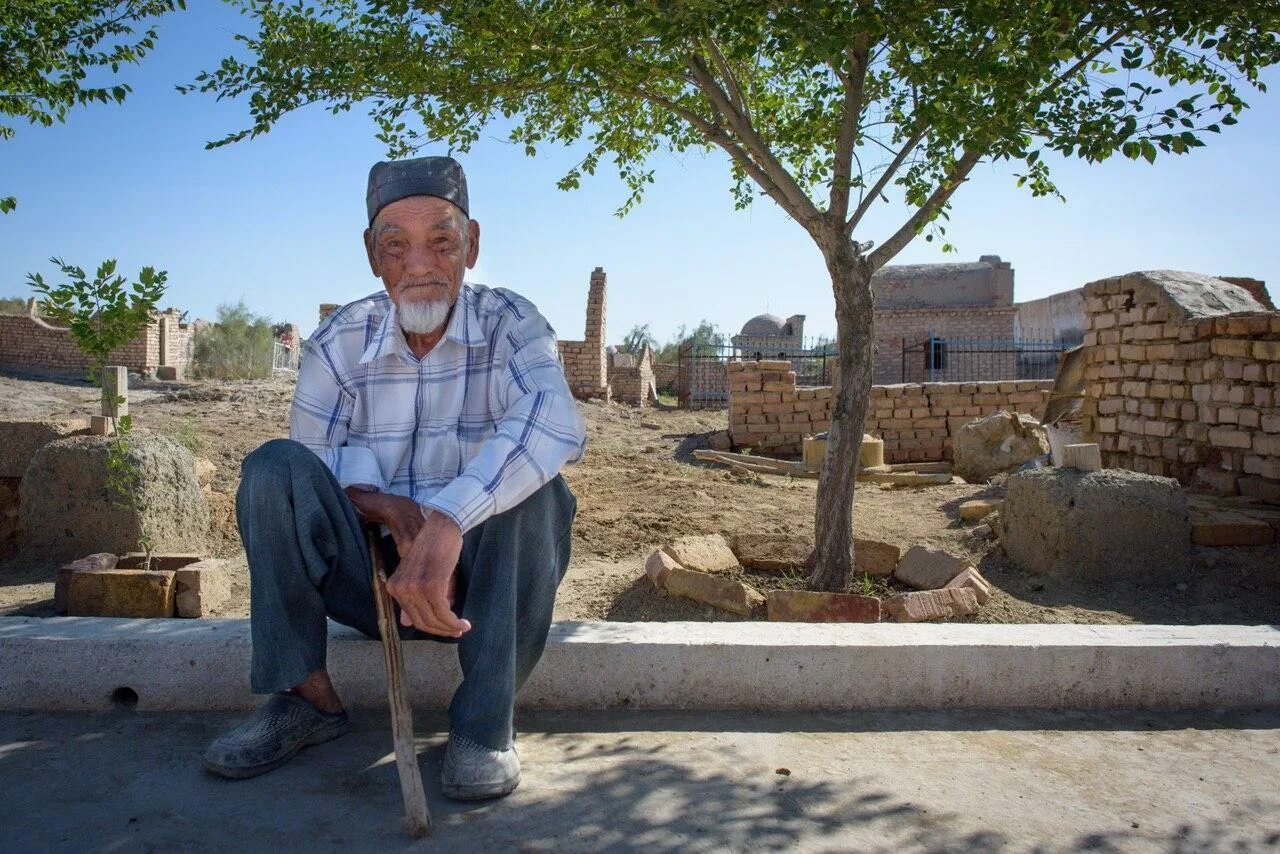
764 324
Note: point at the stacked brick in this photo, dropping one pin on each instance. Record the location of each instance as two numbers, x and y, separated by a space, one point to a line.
895 328
31 344
585 363
667 378
768 412
916 421
1182 379
634 384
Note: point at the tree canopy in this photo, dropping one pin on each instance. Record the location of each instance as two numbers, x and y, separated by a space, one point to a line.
48 50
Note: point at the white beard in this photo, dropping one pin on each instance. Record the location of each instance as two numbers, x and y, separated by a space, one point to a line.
420 318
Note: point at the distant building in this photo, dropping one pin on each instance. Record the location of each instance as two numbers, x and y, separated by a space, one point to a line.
767 336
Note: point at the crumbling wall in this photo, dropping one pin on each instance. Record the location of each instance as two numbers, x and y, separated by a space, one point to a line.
29 343
585 363
916 421
634 383
1181 380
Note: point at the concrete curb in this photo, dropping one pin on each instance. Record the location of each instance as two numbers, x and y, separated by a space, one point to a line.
81 663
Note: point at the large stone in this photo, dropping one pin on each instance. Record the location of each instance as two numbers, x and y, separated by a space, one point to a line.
996 444
1103 525
62 579
702 553
202 589
19 440
924 605
658 566
928 569
874 558
807 606
714 590
773 552
120 593
68 509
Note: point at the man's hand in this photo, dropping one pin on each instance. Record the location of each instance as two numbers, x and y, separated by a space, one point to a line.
401 515
426 579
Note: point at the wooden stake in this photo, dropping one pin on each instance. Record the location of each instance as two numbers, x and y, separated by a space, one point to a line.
416 816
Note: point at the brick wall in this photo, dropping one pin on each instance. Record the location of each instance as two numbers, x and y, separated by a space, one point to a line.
894 327
704 383
916 421
586 365
30 343
667 378
633 384
1182 379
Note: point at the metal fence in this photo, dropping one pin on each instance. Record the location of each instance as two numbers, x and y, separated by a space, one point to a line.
704 375
284 360
939 359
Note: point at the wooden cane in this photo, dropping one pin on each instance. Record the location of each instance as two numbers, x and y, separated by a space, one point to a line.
417 818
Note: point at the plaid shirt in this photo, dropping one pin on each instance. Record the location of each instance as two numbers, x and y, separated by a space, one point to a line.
470 430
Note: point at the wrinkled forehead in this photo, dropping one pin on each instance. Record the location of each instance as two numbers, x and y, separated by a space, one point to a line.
419 214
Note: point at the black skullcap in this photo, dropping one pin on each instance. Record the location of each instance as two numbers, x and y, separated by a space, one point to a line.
391 181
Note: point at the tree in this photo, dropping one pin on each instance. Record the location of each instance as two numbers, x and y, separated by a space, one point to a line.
637 339
824 106
48 49
239 346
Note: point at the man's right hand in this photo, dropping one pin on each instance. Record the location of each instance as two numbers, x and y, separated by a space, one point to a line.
401 515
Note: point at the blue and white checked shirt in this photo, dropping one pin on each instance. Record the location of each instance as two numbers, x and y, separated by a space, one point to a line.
471 430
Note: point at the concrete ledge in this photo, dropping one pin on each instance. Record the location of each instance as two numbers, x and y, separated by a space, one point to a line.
78 663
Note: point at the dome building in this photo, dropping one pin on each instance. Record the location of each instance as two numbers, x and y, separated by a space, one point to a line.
767 336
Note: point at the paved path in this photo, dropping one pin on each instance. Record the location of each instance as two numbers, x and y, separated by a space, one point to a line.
629 781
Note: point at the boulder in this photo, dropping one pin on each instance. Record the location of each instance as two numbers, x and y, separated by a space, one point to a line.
68 510
702 553
19 440
1102 525
773 552
872 557
996 444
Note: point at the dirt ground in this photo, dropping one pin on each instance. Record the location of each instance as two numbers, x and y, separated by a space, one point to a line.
638 487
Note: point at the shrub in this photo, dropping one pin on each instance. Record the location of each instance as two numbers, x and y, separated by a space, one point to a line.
13 305
238 347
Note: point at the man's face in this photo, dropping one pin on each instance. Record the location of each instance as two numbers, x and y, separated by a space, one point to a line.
420 247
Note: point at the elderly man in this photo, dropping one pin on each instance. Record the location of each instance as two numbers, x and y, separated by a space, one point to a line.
439 410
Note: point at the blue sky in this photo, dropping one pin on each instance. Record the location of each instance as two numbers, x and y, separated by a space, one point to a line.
277 220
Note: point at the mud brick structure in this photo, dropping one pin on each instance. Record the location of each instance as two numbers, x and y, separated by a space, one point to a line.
915 301
916 421
1182 379
631 378
767 336
28 342
585 362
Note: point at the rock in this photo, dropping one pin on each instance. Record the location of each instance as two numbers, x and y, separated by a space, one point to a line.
1226 528
995 444
720 441
68 509
1103 525
202 589
978 509
716 591
657 567
932 605
19 440
1084 456
702 553
973 580
773 552
807 606
161 561
120 593
62 579
168 372
874 558
928 569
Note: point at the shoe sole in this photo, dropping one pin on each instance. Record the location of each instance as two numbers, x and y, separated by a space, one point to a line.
480 793
244 772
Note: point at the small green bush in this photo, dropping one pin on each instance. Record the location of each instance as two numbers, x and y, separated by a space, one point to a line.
238 347
13 305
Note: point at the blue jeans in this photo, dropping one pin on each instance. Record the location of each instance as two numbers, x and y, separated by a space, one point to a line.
308 560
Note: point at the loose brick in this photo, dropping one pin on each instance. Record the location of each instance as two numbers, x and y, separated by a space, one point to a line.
977 509
875 558
927 605
928 569
702 553
973 580
658 566
807 606
714 590
202 589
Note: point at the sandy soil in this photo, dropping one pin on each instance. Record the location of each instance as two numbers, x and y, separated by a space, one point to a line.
637 488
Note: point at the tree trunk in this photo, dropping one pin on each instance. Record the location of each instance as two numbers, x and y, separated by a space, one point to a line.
833 522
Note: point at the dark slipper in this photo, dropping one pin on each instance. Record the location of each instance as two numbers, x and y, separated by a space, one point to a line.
285 724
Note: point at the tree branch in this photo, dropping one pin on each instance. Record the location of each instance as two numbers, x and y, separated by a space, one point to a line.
954 178
731 82
869 199
801 207
851 112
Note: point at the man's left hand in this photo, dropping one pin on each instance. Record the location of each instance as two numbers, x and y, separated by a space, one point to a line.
426 578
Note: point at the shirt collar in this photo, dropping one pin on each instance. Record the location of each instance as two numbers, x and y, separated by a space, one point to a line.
463 328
